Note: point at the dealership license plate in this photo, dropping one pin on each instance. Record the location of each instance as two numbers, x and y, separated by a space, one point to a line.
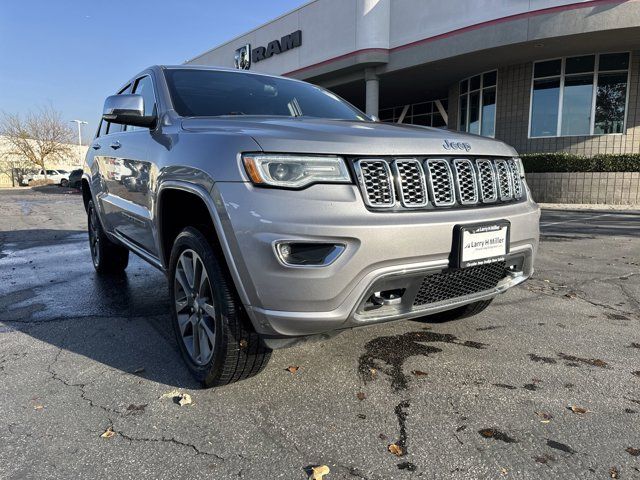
480 244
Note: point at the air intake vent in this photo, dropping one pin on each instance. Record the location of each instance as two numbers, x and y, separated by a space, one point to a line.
487 178
440 182
411 185
504 180
376 182
466 183
515 178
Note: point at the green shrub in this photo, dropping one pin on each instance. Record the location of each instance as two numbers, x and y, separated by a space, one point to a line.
567 162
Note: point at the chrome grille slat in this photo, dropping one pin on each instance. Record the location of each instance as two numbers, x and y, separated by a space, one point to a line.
440 181
466 183
437 182
504 180
376 182
515 178
410 183
487 181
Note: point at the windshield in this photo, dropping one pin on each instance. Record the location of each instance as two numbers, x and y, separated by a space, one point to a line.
209 93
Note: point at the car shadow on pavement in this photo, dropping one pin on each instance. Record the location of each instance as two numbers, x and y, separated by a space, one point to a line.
50 291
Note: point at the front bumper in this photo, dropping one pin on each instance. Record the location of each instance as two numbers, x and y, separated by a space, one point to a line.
381 247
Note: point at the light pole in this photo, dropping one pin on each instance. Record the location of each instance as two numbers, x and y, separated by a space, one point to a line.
79 123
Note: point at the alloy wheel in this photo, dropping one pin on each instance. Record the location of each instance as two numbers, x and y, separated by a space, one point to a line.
195 307
94 237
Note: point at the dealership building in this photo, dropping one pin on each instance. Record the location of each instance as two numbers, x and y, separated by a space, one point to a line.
542 75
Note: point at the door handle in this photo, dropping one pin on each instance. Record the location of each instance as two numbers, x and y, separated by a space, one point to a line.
96 146
115 145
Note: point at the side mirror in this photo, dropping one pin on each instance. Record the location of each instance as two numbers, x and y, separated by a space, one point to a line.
127 109
374 118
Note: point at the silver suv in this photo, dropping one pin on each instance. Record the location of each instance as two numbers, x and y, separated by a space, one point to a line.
279 211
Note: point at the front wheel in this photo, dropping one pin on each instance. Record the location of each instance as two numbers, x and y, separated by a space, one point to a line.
64 182
214 335
107 256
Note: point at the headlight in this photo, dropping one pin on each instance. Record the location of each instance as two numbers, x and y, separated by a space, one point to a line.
520 165
295 171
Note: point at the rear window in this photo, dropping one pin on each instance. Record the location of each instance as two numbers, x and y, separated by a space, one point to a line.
209 93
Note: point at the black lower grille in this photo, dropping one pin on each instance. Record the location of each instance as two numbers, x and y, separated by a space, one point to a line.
460 282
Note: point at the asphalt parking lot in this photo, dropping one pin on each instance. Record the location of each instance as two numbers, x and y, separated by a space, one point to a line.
485 397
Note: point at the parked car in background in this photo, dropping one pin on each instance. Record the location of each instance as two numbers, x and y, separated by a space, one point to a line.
75 178
61 177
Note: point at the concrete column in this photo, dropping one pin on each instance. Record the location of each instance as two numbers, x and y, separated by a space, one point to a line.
372 92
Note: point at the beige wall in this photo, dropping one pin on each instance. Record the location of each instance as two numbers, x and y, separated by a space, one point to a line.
512 116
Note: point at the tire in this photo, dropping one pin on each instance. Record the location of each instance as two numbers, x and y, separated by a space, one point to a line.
460 312
107 257
64 182
216 338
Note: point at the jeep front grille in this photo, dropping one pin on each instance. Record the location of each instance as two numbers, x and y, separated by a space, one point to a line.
437 182
411 185
440 182
376 182
451 284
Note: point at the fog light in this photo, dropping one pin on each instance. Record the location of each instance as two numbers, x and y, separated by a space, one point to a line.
308 254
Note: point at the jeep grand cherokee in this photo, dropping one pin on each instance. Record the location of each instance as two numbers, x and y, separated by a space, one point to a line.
278 211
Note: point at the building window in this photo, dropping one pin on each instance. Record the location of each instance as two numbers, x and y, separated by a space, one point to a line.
585 95
426 114
477 113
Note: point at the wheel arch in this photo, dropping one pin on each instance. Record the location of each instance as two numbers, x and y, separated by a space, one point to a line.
201 201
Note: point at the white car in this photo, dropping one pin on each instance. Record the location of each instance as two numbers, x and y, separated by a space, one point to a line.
60 177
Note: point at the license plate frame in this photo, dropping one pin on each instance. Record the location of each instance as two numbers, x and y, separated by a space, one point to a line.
464 258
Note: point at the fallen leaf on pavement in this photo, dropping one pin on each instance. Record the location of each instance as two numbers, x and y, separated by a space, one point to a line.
38 407
614 472
396 449
570 295
419 373
373 372
504 471
292 369
578 410
318 473
634 452
171 394
108 433
184 399
361 396
243 343
544 417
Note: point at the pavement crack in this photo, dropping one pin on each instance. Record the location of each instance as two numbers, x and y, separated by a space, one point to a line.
164 439
81 387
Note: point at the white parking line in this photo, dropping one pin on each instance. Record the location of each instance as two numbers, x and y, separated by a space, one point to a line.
576 220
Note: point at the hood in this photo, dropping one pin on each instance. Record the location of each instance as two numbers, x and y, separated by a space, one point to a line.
312 135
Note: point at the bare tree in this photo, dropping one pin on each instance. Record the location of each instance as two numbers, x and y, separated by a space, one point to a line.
38 137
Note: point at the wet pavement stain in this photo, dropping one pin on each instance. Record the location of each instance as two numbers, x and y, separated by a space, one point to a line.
616 316
593 362
560 446
496 434
388 354
401 414
504 385
410 467
539 359
545 459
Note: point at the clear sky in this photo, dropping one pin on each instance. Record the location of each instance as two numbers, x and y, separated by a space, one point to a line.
74 53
